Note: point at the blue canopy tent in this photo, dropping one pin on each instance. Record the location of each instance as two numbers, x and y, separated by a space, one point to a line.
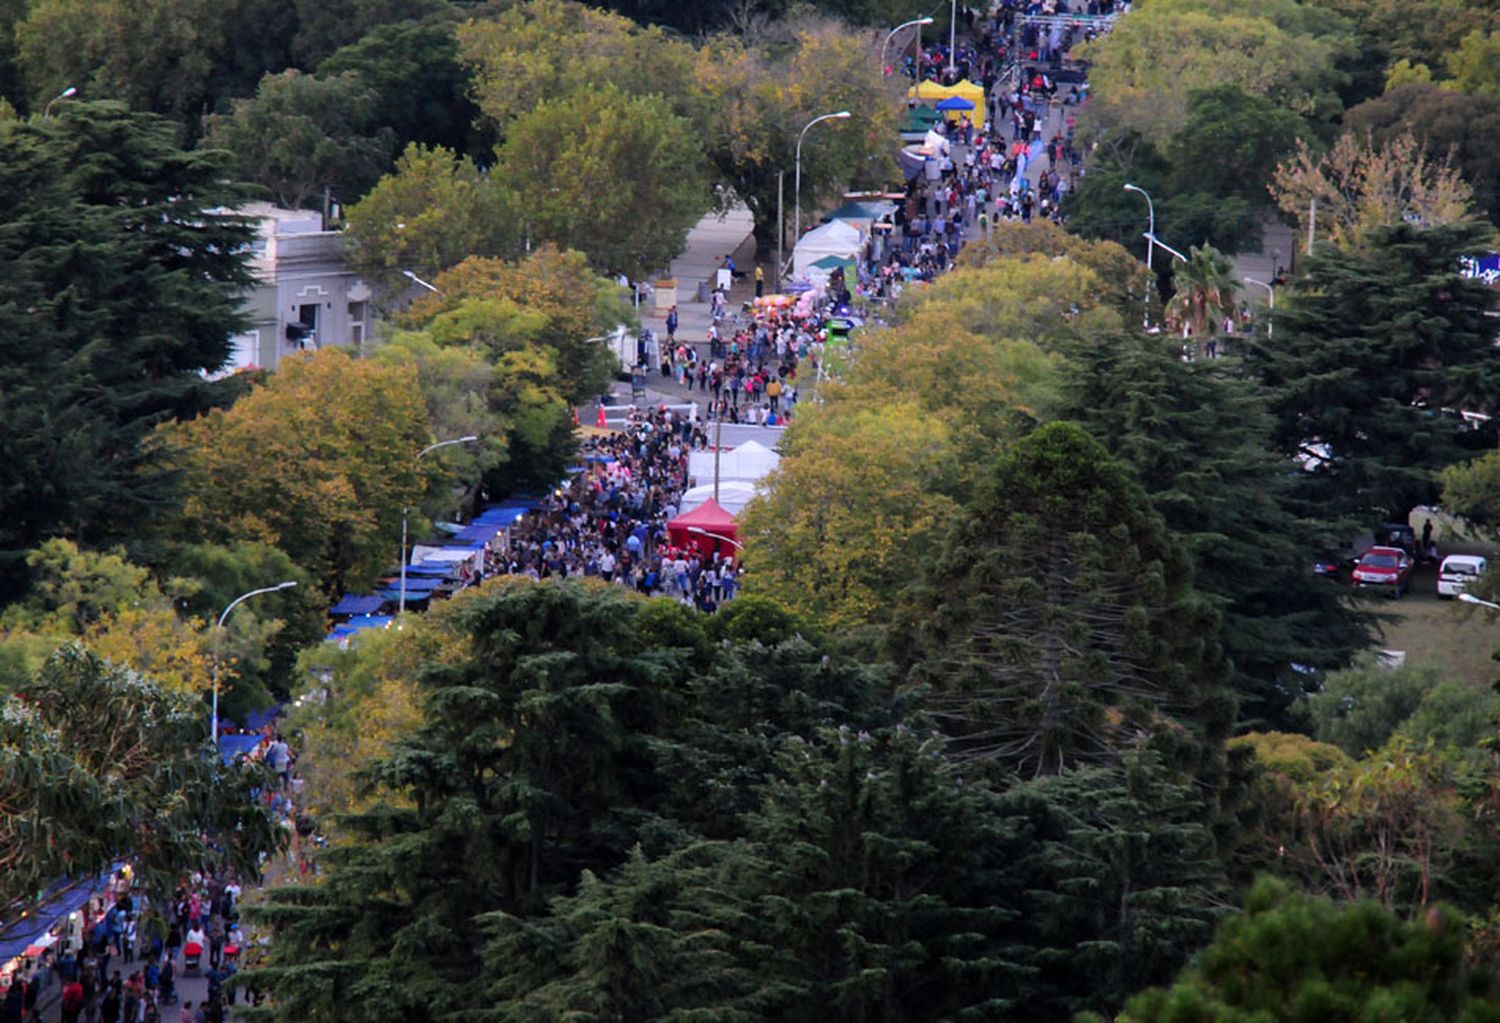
234 746
478 532
501 514
954 103
431 570
355 626
62 898
357 604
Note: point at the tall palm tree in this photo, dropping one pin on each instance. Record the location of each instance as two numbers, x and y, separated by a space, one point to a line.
1205 292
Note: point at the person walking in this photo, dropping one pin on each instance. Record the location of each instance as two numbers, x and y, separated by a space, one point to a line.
760 281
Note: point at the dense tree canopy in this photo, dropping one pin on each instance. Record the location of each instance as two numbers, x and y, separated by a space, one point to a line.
97 195
1374 355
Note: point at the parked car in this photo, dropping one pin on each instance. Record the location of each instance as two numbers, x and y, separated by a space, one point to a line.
1397 534
1384 568
1458 572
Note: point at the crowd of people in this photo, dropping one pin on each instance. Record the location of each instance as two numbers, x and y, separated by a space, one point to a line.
610 521
1015 164
124 957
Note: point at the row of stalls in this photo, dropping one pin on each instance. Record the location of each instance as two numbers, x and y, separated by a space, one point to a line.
852 232
438 568
54 924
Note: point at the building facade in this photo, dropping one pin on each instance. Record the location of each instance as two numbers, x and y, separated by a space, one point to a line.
305 296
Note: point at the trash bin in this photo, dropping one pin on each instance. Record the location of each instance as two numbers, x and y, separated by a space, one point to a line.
703 291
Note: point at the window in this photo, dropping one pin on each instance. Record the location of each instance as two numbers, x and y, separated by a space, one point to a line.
356 323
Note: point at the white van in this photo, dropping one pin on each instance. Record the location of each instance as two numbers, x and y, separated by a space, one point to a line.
1457 572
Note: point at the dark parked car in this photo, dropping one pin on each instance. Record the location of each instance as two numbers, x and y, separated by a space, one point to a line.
1396 534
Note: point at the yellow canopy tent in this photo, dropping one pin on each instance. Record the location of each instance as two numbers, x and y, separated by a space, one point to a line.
931 92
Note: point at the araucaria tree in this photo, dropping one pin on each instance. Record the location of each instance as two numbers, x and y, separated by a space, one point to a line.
1057 624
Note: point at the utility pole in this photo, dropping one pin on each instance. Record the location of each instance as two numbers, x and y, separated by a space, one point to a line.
1312 223
780 229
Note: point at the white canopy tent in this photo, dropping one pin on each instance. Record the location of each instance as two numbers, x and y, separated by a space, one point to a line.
835 238
733 496
750 461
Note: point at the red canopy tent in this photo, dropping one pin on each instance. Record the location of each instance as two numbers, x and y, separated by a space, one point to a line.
692 529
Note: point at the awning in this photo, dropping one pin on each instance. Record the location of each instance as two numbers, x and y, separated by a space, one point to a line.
478 532
232 747
64 897
357 604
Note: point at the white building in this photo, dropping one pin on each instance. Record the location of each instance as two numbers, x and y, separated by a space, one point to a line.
305 296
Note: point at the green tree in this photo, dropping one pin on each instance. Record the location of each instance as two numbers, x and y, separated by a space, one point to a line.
1056 624
1230 142
541 50
300 136
1120 881
1302 959
1358 709
1145 69
1196 437
617 177
98 763
433 211
98 195
1474 64
525 771
1369 352
1204 292
756 101
421 90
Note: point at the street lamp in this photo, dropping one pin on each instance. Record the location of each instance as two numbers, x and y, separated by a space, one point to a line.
1150 243
417 280
232 605
405 509
65 94
1270 291
716 536
1469 598
797 184
919 22
952 36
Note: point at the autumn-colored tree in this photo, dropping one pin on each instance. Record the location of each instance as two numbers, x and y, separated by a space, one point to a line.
1360 185
318 461
857 498
1122 279
575 304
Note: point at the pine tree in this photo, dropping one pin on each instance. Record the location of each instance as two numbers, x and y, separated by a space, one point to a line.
120 279
1377 351
1195 436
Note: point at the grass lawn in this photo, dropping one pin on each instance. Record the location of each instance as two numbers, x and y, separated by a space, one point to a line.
1454 638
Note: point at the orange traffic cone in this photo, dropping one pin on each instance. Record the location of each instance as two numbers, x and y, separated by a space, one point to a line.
600 422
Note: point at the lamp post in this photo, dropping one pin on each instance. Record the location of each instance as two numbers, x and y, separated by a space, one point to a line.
401 607
919 22
1469 598
232 605
1271 303
65 94
952 36
716 536
1150 244
797 183
417 280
